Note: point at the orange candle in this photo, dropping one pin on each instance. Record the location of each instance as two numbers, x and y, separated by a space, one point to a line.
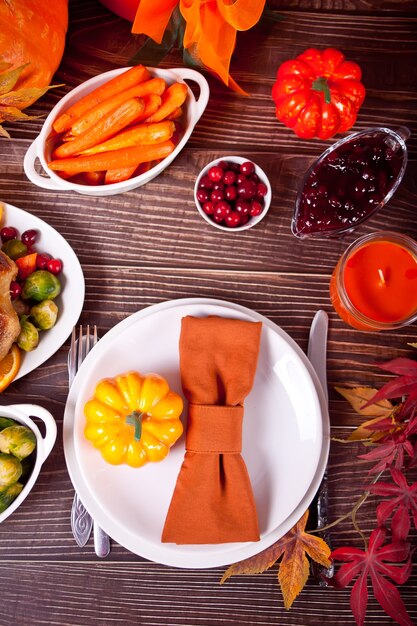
374 285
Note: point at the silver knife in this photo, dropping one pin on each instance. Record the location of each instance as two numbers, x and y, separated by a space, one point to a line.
317 354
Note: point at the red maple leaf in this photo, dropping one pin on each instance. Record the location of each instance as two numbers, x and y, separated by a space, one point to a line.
391 449
377 563
405 384
402 499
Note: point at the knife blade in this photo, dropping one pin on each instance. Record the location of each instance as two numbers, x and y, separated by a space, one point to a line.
317 354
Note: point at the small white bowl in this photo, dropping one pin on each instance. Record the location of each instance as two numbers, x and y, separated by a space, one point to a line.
42 151
253 220
20 413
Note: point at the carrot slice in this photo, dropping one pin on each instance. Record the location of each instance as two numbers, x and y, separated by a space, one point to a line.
141 135
172 98
105 128
123 81
116 159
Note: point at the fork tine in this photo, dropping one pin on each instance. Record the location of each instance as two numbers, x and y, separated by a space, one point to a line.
95 338
72 356
80 347
87 341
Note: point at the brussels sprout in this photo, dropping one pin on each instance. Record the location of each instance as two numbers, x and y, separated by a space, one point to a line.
8 494
10 469
41 285
28 337
14 248
44 314
5 422
17 440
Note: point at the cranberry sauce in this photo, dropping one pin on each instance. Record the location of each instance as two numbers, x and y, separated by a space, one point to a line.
348 185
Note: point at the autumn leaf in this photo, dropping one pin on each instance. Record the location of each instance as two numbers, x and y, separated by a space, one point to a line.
358 398
404 384
9 79
293 569
413 345
378 562
402 498
393 448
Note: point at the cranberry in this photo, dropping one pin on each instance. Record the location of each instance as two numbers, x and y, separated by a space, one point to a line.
219 185
229 177
202 195
247 168
222 209
7 233
223 164
242 207
208 207
205 183
215 174
216 195
244 219
42 260
240 178
233 219
255 208
54 266
29 237
261 190
247 190
15 290
255 178
218 219
230 193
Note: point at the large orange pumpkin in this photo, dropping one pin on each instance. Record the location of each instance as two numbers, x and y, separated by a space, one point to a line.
32 32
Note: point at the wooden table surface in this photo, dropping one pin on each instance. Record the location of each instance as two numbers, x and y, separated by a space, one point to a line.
150 245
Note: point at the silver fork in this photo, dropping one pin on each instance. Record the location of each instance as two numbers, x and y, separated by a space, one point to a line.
81 520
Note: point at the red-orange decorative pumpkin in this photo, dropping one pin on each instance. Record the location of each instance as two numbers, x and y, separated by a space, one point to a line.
32 32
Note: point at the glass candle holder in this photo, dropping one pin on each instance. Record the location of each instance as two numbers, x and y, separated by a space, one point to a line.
374 284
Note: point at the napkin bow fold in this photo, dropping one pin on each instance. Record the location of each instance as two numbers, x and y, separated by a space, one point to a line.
213 500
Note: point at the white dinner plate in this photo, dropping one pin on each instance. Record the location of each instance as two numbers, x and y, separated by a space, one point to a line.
71 299
285 436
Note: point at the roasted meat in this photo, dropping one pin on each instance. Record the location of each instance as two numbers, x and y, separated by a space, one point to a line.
9 321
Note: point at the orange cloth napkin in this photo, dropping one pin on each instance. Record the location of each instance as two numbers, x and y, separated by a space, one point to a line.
213 500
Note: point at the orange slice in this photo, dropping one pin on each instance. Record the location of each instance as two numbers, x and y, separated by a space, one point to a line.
9 366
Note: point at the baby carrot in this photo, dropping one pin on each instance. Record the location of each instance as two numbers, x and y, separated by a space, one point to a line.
141 135
116 159
105 128
172 98
123 81
155 85
175 115
152 103
117 176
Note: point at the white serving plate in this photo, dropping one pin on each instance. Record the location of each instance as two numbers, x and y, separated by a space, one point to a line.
71 299
285 436
40 150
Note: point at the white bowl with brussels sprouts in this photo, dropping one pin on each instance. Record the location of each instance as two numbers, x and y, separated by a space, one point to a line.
23 450
70 300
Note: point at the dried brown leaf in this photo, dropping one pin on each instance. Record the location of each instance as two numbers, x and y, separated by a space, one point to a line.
359 396
294 567
9 78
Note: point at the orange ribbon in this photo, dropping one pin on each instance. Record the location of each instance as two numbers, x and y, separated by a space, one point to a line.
211 27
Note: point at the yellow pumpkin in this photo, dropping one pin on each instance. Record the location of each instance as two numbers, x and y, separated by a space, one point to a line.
133 419
32 41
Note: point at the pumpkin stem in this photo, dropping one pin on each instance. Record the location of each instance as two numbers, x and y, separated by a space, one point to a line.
135 419
321 84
